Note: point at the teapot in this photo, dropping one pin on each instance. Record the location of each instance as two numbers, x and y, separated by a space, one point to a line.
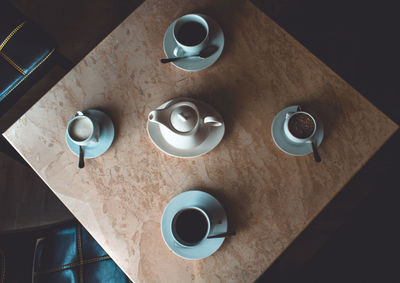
183 123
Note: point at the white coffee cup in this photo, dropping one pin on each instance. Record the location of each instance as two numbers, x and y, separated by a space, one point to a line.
178 232
83 130
289 134
188 48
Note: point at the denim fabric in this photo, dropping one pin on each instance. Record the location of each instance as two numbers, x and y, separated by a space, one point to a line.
23 47
9 77
28 47
70 254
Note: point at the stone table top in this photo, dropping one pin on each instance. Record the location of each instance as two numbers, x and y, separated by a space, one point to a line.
270 197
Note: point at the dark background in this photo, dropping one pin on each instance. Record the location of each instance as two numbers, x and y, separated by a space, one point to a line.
356 237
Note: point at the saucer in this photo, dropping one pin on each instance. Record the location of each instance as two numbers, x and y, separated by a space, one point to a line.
215 134
106 136
171 49
217 216
286 145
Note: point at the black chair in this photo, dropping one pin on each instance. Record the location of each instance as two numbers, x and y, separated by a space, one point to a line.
26 54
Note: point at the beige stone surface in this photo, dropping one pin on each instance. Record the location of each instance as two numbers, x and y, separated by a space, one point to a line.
270 197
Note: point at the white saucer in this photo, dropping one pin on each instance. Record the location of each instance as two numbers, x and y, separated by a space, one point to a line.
286 145
216 37
217 216
215 134
105 139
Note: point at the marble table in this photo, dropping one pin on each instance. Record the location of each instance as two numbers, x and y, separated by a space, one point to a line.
270 197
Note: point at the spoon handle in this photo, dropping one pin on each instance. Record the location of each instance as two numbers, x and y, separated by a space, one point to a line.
317 158
81 158
223 235
167 60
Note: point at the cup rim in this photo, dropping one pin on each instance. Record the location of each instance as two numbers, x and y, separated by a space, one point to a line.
182 242
80 142
306 138
203 22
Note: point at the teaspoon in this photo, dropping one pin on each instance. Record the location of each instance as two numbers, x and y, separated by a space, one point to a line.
205 53
223 235
317 158
81 158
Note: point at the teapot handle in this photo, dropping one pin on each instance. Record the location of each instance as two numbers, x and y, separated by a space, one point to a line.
212 121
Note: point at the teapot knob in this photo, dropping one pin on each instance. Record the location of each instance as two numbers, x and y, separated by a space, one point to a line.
184 118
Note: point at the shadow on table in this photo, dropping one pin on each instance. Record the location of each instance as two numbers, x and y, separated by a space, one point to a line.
224 12
113 114
223 101
355 230
325 112
236 217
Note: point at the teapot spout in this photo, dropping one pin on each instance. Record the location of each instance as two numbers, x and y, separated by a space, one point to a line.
159 116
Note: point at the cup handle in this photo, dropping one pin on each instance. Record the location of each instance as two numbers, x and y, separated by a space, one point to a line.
212 121
289 114
179 52
96 138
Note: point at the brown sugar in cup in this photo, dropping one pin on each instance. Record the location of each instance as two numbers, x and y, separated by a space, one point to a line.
301 125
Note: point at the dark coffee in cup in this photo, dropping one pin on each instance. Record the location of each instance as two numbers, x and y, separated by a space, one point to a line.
189 226
191 33
301 125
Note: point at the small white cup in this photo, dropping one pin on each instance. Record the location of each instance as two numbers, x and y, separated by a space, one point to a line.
177 238
293 138
92 137
194 49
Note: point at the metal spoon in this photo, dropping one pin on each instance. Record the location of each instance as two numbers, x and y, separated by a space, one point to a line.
317 158
223 235
81 158
81 163
205 53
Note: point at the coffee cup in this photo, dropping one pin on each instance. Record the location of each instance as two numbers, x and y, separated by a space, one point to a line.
190 226
191 33
83 130
300 126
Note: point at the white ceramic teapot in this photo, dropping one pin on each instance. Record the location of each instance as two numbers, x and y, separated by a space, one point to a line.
183 123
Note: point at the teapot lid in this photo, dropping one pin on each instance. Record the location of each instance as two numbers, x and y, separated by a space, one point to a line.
184 118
